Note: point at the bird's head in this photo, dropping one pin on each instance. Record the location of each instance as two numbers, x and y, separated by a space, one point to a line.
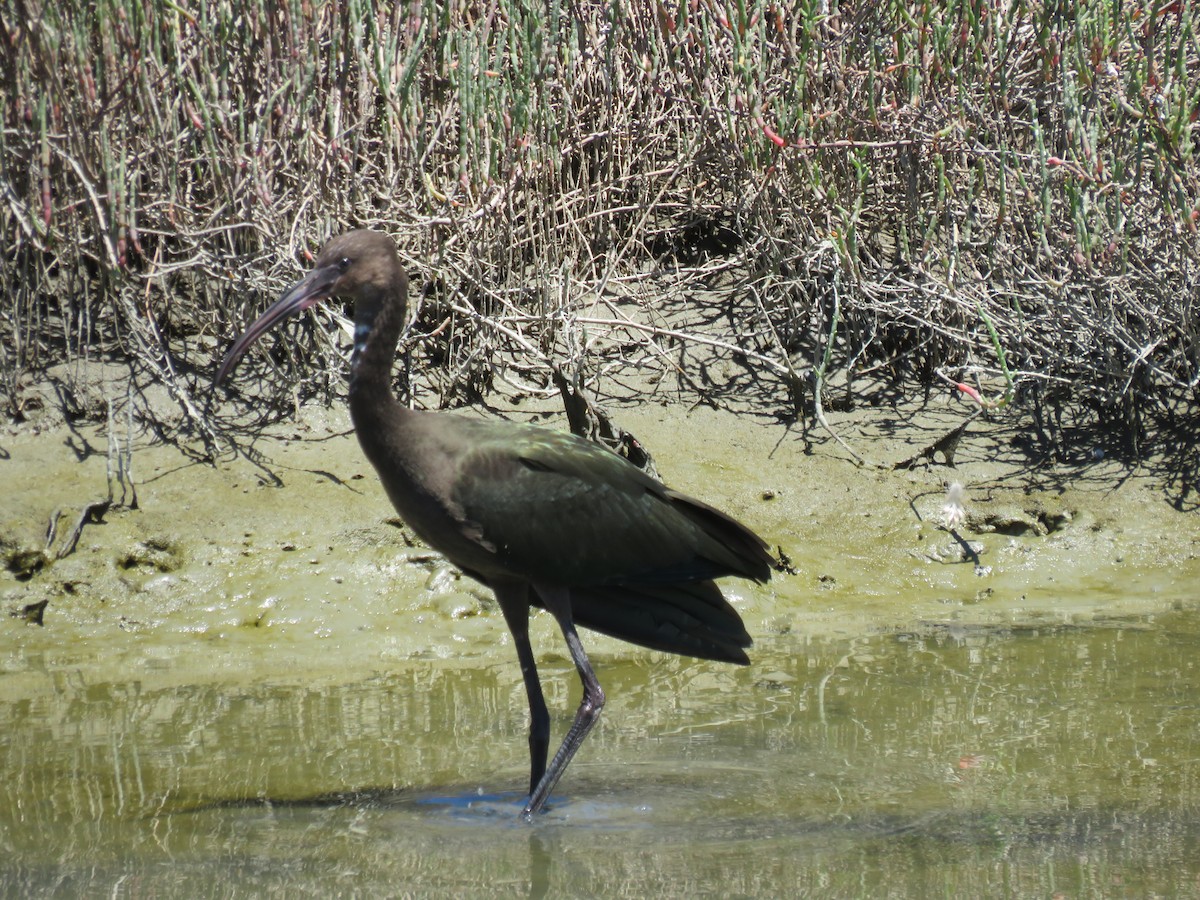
361 265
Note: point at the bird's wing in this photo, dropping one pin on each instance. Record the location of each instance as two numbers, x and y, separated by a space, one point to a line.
563 510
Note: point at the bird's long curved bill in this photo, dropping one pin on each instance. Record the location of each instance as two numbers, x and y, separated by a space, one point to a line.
316 286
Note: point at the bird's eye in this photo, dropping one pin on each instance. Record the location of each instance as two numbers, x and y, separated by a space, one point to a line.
343 264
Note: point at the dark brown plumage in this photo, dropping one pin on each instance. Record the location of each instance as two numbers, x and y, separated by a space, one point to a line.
541 517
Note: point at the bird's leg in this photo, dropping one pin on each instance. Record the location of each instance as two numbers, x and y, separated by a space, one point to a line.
514 603
557 602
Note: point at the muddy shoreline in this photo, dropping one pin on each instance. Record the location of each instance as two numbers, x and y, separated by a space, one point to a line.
297 562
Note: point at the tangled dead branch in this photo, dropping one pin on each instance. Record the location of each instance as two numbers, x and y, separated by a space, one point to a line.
1015 207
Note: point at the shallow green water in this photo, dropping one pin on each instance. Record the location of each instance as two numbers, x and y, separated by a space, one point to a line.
969 762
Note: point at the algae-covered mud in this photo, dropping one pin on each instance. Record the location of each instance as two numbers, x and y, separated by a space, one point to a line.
258 681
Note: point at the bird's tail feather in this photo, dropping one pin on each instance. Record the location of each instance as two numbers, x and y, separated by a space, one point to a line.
690 618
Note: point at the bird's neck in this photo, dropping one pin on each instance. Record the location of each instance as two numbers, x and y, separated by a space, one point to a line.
377 326
388 432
